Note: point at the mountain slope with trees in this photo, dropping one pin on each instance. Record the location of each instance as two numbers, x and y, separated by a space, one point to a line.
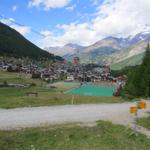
13 44
139 78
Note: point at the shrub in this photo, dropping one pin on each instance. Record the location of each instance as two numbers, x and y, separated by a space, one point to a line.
32 84
36 76
5 83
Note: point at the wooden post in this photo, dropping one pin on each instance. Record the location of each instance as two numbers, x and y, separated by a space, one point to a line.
135 118
134 111
72 101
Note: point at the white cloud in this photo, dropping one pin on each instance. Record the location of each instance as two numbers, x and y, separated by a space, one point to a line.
73 33
21 29
14 8
48 4
122 17
113 18
46 33
71 8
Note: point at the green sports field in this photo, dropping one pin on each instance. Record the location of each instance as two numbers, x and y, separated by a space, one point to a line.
92 90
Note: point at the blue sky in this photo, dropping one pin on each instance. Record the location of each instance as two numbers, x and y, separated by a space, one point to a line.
40 19
75 21
46 19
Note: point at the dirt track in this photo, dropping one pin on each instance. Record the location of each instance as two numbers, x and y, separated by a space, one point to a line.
37 116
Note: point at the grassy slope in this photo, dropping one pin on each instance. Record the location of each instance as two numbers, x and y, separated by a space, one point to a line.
65 85
145 122
13 97
104 136
132 61
18 78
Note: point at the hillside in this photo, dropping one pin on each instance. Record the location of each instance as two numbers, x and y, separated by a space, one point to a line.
132 61
14 44
127 57
109 43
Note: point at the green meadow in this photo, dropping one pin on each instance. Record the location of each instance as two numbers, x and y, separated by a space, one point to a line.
103 136
145 122
47 94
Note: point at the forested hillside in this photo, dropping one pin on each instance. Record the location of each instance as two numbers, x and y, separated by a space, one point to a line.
14 44
139 78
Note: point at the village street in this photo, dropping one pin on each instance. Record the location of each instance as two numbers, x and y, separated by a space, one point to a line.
86 114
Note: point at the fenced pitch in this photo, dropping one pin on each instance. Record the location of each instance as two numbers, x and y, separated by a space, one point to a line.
92 90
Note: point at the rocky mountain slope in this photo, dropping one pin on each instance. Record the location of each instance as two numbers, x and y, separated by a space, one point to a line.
127 53
68 49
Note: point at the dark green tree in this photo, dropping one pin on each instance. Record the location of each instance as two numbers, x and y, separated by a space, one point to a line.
139 78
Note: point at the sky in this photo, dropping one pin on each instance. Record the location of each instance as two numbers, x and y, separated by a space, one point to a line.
83 22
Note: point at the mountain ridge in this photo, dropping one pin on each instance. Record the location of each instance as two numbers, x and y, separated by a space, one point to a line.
122 42
13 44
69 48
111 50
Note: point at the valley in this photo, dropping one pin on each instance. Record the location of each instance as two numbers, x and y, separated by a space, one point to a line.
75 75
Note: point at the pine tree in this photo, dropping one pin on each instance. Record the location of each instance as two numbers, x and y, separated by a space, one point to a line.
145 81
139 79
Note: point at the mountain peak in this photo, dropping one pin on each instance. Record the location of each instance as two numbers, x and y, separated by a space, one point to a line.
70 44
75 46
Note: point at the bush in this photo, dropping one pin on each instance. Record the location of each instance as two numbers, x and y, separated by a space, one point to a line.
36 75
32 84
5 83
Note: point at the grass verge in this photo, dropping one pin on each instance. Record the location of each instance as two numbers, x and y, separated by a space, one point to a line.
104 136
145 122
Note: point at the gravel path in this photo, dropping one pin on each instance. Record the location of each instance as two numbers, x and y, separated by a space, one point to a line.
89 113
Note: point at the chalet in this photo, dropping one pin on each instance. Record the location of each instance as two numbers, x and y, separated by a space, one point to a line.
5 67
46 76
